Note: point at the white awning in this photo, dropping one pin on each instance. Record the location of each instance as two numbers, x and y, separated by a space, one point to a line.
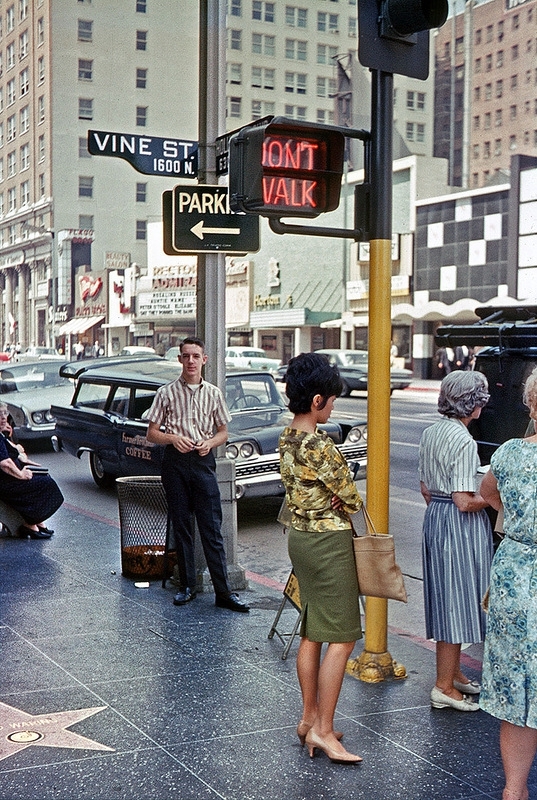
79 325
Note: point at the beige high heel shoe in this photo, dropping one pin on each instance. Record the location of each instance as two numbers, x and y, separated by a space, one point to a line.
313 741
303 727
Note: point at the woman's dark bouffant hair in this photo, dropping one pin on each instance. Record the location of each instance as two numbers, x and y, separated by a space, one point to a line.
307 375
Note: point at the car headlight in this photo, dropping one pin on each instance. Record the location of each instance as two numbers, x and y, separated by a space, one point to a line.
232 451
38 417
241 450
49 416
357 433
246 450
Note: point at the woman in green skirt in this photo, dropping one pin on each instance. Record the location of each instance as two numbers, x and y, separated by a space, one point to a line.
320 493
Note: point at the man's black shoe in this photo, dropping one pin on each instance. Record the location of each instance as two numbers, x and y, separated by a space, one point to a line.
182 598
231 601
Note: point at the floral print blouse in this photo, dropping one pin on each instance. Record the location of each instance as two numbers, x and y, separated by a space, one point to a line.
313 470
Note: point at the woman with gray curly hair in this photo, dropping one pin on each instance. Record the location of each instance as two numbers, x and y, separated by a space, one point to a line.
457 537
509 664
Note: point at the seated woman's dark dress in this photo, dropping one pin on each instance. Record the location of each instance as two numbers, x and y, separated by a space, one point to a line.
35 500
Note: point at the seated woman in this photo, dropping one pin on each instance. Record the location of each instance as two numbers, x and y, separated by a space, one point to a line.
35 497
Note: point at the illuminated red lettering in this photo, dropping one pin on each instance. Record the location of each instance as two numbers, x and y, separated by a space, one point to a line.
289 192
293 154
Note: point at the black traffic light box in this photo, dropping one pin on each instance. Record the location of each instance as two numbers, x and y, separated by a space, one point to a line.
285 168
393 35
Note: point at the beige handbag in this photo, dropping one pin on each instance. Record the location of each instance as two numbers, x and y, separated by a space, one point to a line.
376 568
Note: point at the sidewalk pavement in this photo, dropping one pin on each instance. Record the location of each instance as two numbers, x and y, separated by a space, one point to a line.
110 691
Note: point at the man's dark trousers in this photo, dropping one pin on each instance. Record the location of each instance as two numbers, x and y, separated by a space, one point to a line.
191 486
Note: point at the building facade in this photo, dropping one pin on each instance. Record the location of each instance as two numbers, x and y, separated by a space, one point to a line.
486 89
69 220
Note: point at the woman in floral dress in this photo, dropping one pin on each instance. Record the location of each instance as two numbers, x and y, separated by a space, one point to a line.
320 494
510 661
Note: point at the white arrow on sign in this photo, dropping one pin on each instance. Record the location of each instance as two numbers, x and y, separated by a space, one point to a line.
198 230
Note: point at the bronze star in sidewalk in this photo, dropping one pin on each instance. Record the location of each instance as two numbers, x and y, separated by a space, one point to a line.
19 730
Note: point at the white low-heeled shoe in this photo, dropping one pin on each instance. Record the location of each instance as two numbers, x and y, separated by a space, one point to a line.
441 700
468 688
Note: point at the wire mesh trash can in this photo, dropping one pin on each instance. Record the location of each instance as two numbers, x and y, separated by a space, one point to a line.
143 516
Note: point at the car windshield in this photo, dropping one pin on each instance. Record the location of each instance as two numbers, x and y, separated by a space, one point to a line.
354 358
32 376
255 391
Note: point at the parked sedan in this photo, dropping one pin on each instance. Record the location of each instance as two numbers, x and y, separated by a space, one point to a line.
28 390
107 418
250 358
353 365
35 353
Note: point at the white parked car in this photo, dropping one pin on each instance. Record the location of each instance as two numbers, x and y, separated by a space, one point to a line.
34 353
251 358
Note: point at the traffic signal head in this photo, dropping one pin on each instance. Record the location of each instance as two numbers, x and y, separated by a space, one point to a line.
285 168
393 35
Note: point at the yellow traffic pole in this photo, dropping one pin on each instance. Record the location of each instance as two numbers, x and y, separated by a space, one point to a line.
375 662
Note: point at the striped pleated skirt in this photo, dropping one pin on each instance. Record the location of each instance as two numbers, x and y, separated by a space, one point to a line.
457 554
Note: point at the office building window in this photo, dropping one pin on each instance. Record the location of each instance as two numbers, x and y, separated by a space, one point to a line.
420 101
141 6
24 82
498 118
235 106
235 8
41 148
256 109
85 108
514 81
141 116
295 82
41 70
141 79
24 157
25 193
11 128
85 30
512 142
353 27
327 22
326 53
235 40
296 17
476 124
514 52
499 59
512 112
85 186
487 120
10 56
141 230
486 149
499 89
295 112
23 9
23 45
477 93
234 74
41 185
264 45
477 65
141 40
85 69
263 78
141 192
11 200
420 132
11 164
83 147
24 119
11 92
1 134
10 18
296 49
263 11
40 109
497 147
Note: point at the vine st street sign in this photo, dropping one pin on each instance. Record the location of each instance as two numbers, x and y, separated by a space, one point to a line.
150 155
197 219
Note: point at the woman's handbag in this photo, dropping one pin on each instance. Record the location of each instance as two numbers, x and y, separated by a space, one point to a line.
376 568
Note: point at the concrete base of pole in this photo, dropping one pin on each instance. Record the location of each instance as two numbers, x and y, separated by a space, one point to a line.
375 667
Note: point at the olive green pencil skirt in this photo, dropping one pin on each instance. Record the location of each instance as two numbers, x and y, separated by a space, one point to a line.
323 563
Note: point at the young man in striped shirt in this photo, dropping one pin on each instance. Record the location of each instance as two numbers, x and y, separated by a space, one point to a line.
189 416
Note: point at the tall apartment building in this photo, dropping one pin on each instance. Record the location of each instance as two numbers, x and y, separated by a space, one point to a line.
69 220
486 89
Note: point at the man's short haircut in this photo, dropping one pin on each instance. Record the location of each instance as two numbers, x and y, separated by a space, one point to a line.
310 374
192 340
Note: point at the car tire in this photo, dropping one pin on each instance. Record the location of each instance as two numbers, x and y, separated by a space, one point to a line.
345 391
103 479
